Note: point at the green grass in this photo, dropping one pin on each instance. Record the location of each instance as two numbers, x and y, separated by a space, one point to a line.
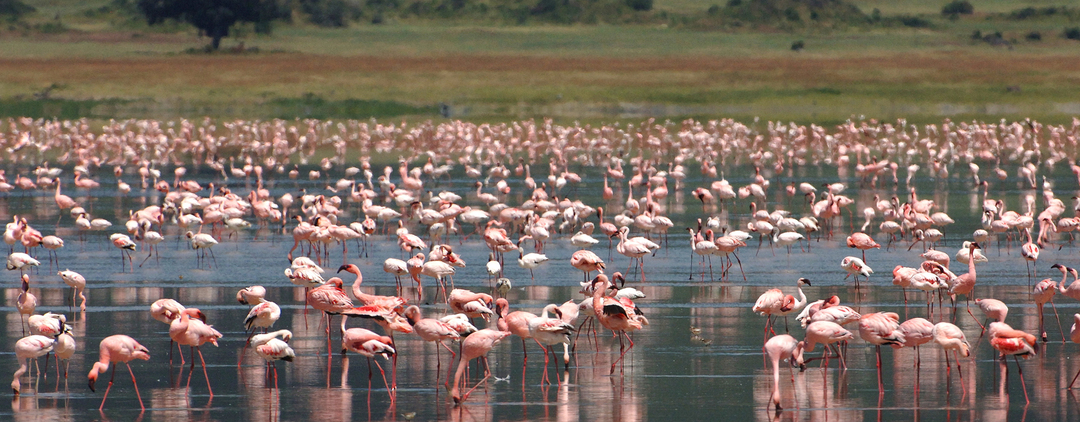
568 72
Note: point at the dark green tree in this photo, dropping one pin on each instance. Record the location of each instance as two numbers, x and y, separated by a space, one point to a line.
214 17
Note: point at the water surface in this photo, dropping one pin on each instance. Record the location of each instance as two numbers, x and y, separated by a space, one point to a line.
716 374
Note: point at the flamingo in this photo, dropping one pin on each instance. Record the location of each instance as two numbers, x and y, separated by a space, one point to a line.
26 302
530 260
117 348
193 333
620 316
125 245
433 330
50 324
493 267
272 349
21 261
1013 342
263 315
774 303
332 300
826 333
368 344
862 242
64 349
964 284
993 308
916 332
856 267
633 250
779 348
165 310
473 305
77 283
398 268
29 347
1042 293
476 345
516 323
1074 335
881 328
52 244
951 338
202 242
587 262
547 331
389 303
1030 252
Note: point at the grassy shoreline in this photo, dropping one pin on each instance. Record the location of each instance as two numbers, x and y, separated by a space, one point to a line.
568 73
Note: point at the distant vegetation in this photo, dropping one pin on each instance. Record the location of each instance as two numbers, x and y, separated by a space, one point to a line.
215 19
14 9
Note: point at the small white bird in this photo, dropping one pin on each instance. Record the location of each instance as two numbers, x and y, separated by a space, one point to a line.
582 240
201 242
502 285
530 260
20 261
494 268
856 267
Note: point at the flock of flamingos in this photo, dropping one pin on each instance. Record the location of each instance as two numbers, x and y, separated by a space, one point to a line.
649 162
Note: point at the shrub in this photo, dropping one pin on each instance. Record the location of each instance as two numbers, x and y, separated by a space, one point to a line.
958 7
1072 33
640 5
798 45
914 21
791 14
14 9
1024 13
1033 36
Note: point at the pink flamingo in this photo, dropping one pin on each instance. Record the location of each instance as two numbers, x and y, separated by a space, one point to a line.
476 345
263 315
77 283
862 242
517 323
1074 335
586 261
117 348
951 338
433 330
392 303
52 244
964 284
916 331
126 246
30 347
1030 252
547 331
271 349
368 344
826 333
194 333
22 262
1013 342
332 300
1044 292
26 303
474 305
881 328
620 316
993 309
779 348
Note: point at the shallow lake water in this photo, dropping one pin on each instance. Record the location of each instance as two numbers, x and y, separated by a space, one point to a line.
716 373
